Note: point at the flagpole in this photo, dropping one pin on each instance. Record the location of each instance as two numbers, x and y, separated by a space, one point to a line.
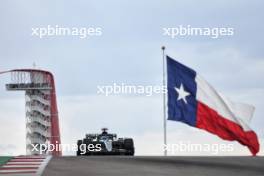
164 103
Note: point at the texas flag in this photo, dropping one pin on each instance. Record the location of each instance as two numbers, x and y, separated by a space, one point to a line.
193 101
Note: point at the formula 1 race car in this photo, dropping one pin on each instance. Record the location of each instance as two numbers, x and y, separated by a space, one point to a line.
105 144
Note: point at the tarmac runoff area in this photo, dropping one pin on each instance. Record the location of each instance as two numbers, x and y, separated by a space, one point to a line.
155 166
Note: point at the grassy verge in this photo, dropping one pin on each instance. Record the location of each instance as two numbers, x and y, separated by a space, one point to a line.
4 159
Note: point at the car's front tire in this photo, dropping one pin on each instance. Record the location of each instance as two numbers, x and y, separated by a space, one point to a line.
129 146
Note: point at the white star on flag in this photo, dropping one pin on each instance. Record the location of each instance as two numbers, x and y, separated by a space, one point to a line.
182 94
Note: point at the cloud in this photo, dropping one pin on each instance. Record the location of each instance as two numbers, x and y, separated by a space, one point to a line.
12 127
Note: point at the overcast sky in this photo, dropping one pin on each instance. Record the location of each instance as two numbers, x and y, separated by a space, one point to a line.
129 52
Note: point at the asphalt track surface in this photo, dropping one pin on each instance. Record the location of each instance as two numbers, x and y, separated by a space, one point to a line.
155 166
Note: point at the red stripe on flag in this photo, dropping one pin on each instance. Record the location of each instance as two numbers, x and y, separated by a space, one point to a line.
209 120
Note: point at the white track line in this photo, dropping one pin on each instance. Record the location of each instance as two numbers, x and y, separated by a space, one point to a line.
43 165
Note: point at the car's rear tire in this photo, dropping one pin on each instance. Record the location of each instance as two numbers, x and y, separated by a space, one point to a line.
87 141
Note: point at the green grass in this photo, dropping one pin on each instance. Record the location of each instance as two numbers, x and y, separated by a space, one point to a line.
4 159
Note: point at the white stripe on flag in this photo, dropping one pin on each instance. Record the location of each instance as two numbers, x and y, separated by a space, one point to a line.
235 112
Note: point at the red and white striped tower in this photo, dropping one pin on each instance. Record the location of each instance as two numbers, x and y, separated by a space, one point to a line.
42 123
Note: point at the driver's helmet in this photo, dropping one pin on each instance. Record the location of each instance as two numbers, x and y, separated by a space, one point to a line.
104 131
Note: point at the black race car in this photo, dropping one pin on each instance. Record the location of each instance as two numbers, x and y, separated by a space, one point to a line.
105 144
